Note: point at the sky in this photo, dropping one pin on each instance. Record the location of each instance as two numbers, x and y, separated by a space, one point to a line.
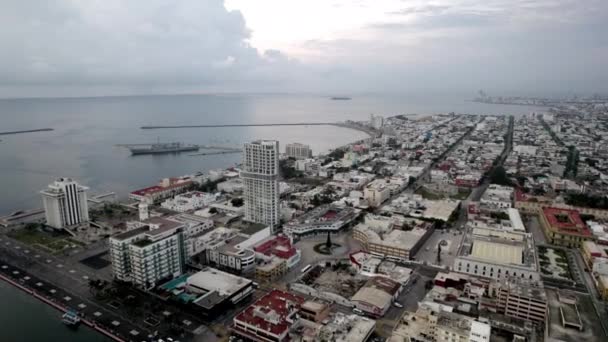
119 47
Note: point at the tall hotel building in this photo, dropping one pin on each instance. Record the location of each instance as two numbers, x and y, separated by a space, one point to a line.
65 203
298 151
260 175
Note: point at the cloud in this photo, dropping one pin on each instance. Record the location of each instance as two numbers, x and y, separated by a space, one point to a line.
96 47
68 42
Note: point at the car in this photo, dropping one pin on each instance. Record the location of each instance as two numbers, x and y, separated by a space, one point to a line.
398 305
358 311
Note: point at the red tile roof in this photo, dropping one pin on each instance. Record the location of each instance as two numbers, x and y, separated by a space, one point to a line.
279 246
156 188
572 225
277 304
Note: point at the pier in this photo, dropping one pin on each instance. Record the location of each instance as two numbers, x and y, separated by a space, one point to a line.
27 131
348 124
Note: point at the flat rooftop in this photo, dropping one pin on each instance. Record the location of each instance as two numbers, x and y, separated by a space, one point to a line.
215 285
497 252
131 233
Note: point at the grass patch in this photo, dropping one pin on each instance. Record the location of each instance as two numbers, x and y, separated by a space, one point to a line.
427 194
462 194
50 242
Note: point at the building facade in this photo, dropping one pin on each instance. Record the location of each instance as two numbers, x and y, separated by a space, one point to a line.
521 298
564 227
260 175
149 254
298 151
65 203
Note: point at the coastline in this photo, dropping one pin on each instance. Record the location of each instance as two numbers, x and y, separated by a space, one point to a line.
62 309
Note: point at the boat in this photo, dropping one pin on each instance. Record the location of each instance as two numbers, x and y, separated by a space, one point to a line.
71 318
341 98
163 148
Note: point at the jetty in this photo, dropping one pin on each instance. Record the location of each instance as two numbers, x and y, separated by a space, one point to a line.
27 131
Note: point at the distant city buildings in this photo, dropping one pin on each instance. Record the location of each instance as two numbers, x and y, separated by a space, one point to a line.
298 151
260 175
65 203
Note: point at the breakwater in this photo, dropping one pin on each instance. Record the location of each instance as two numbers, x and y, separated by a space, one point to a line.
27 131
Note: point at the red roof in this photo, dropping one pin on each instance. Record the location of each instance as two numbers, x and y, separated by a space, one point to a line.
330 214
157 188
276 304
570 222
279 246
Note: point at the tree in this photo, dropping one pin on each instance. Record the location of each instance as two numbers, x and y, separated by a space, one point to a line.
439 253
498 175
213 210
328 243
237 202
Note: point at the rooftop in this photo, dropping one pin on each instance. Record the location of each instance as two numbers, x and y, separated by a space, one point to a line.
566 221
215 286
271 313
497 252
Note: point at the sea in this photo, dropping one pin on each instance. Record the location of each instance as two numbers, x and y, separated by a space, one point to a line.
86 132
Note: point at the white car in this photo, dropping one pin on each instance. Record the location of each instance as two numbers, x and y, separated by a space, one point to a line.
398 305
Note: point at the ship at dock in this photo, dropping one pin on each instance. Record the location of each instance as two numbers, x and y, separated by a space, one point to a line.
159 148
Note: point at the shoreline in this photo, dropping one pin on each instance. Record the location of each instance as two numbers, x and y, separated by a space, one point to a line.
91 324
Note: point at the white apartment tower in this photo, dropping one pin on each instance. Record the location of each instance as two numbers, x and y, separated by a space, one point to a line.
298 151
65 203
260 175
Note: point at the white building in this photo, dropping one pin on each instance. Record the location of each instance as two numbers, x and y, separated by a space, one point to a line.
377 192
497 254
148 254
298 151
189 201
65 203
260 175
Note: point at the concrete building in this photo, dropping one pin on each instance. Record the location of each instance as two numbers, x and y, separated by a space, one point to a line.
377 295
269 269
213 290
564 227
298 151
323 219
496 198
189 201
166 188
384 240
377 192
314 311
269 319
497 254
260 175
229 255
65 203
281 247
453 327
520 298
149 254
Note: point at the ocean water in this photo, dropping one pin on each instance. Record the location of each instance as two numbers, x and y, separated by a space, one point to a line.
86 130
